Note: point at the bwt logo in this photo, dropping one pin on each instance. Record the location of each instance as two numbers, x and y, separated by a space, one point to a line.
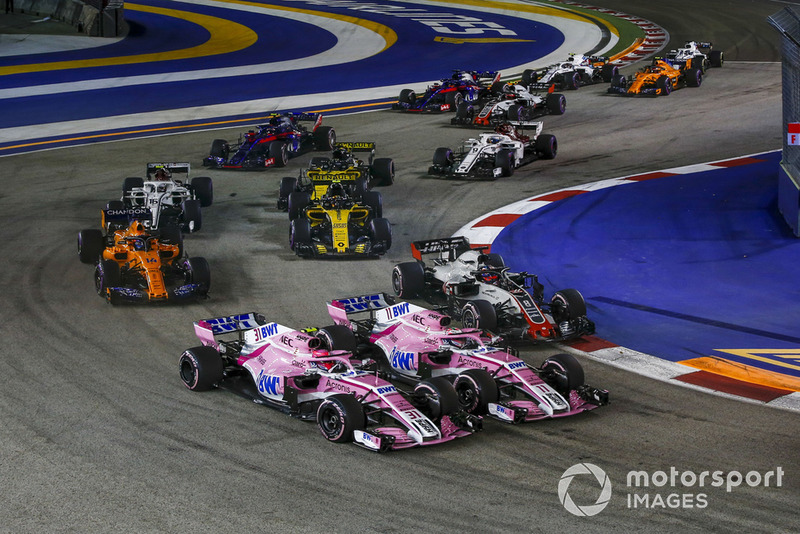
268 384
601 478
360 303
385 389
398 309
402 360
266 331
516 365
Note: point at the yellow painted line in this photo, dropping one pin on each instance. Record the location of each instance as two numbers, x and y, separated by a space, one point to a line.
231 122
745 373
773 356
636 44
481 40
226 37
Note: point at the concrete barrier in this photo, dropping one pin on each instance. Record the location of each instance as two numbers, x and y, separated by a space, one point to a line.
91 17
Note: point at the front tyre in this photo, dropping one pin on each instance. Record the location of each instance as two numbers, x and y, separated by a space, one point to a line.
324 138
339 416
567 305
563 372
476 389
436 397
479 314
200 368
90 245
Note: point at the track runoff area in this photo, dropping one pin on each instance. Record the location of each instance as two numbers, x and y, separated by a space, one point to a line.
208 64
690 270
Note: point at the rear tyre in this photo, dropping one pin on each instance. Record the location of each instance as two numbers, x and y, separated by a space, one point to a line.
436 397
203 189
479 314
90 245
339 416
493 259
563 372
715 58
115 205
547 146
408 279
528 76
475 389
374 200
608 72
382 171
200 368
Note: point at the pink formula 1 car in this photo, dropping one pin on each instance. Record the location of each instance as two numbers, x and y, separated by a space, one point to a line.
290 370
414 344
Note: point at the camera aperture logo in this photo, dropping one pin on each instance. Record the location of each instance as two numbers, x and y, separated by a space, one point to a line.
590 509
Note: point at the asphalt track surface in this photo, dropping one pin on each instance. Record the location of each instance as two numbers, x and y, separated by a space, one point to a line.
99 435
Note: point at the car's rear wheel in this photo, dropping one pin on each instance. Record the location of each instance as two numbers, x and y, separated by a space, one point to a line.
90 245
382 172
131 183
200 368
339 416
203 189
479 314
547 146
436 397
475 389
528 76
716 58
374 200
563 372
408 279
608 72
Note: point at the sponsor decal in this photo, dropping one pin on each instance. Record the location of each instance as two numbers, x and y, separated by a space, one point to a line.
385 390
516 365
363 303
288 341
263 332
402 360
269 385
469 362
269 162
338 386
397 310
233 323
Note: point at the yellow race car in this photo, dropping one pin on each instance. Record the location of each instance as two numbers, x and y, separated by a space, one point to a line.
134 265
337 224
658 79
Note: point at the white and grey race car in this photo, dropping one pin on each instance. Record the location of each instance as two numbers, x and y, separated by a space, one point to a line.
576 71
483 293
171 201
497 153
695 53
514 102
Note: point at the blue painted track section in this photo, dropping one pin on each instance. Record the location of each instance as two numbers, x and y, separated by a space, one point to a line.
678 267
280 39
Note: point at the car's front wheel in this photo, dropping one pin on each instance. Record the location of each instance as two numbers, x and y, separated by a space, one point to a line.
339 416
476 389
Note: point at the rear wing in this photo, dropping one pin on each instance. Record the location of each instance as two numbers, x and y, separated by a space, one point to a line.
125 216
356 146
380 307
251 327
172 168
457 245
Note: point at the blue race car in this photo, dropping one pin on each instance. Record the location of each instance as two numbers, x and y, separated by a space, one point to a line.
448 93
273 143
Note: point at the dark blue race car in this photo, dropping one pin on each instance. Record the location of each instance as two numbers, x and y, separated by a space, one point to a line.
273 143
446 94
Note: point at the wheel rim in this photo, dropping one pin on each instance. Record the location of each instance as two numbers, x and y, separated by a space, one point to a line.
397 282
467 396
468 319
330 422
188 373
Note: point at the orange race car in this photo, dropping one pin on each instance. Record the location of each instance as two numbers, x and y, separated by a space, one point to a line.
132 264
658 79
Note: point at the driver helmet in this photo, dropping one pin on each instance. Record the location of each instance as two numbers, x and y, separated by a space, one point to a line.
488 276
321 353
494 140
336 189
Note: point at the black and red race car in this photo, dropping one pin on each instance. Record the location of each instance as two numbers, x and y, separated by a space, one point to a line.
446 95
273 143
